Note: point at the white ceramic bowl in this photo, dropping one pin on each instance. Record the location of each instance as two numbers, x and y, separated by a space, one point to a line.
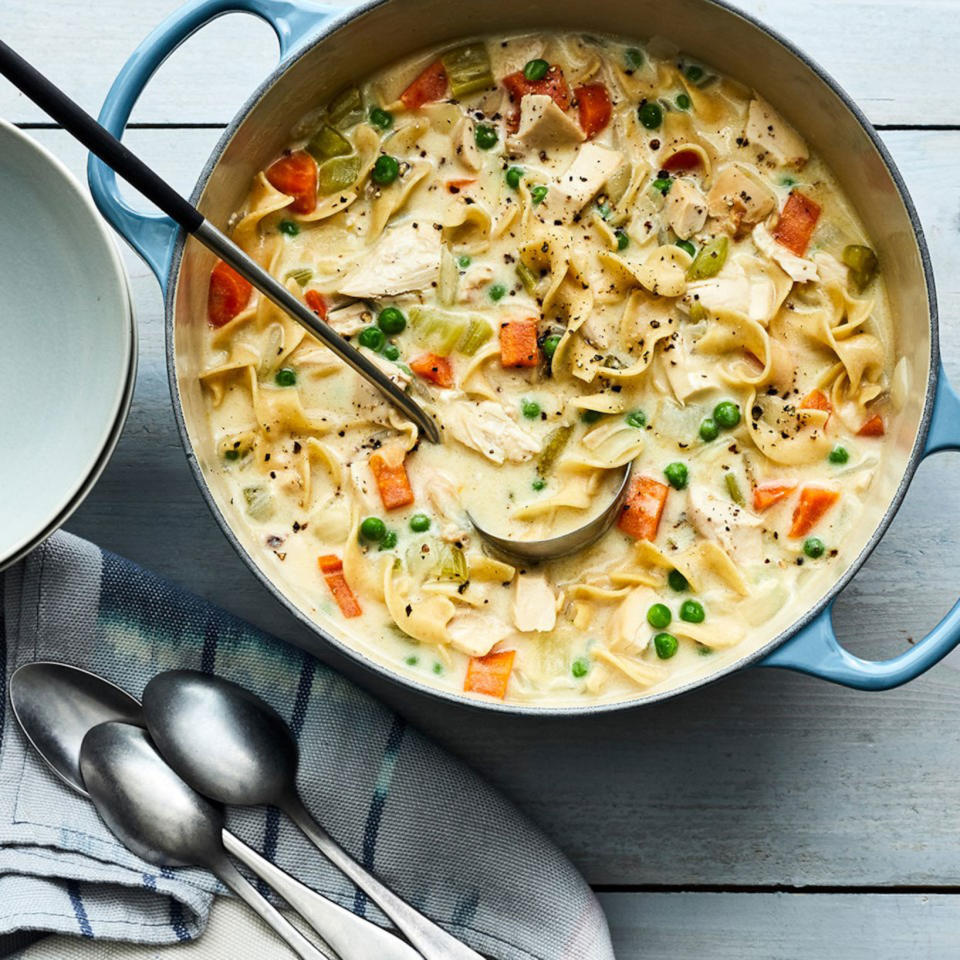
67 344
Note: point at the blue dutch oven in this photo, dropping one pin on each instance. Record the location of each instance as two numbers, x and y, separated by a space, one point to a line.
323 49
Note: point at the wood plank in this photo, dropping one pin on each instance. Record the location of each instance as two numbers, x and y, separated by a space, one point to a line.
766 778
895 57
783 926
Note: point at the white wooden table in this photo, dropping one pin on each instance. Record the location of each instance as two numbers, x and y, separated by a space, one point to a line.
769 816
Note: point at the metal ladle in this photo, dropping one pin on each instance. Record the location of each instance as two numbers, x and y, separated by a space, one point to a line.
56 705
112 152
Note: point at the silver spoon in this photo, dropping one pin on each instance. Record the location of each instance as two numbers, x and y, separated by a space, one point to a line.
533 551
164 821
56 705
247 756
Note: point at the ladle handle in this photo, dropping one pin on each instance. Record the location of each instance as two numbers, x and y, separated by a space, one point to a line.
433 942
297 942
349 935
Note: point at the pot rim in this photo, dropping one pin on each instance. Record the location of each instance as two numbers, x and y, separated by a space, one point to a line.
329 27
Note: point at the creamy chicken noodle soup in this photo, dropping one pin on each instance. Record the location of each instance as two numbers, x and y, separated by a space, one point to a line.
576 253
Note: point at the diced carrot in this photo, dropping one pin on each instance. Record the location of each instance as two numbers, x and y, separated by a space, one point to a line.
316 303
295 174
814 503
682 160
640 516
797 221
455 186
229 293
874 427
490 674
593 105
518 343
767 494
433 367
431 85
816 400
392 482
331 567
553 85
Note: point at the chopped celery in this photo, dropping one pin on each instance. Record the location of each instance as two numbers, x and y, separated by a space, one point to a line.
327 143
303 276
259 502
733 488
439 330
711 258
346 108
478 333
338 173
863 265
451 563
449 278
468 68
556 440
698 311
527 277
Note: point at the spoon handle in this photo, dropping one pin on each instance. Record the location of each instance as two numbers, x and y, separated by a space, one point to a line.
432 941
114 154
297 942
349 935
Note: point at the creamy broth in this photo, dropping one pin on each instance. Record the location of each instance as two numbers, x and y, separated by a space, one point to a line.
576 253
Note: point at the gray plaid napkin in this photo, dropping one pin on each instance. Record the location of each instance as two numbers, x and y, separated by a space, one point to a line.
426 824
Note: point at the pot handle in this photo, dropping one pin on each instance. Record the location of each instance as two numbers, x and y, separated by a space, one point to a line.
153 235
815 650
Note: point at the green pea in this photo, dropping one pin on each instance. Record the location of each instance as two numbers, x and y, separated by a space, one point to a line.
683 101
636 418
535 70
497 292
623 241
288 227
391 351
385 170
659 616
373 529
463 261
412 661
688 247
391 321
389 540
513 176
437 667
666 645
580 667
677 475
590 416
787 182
485 136
839 455
692 611
651 115
530 409
814 547
372 338
538 194
663 184
285 377
419 523
727 414
709 430
605 211
231 455
381 118
634 58
694 73
550 345
539 484
677 581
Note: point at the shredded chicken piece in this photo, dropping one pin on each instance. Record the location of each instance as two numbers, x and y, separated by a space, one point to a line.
534 604
769 132
486 427
405 258
475 633
796 268
350 319
544 126
686 208
740 187
733 527
571 191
